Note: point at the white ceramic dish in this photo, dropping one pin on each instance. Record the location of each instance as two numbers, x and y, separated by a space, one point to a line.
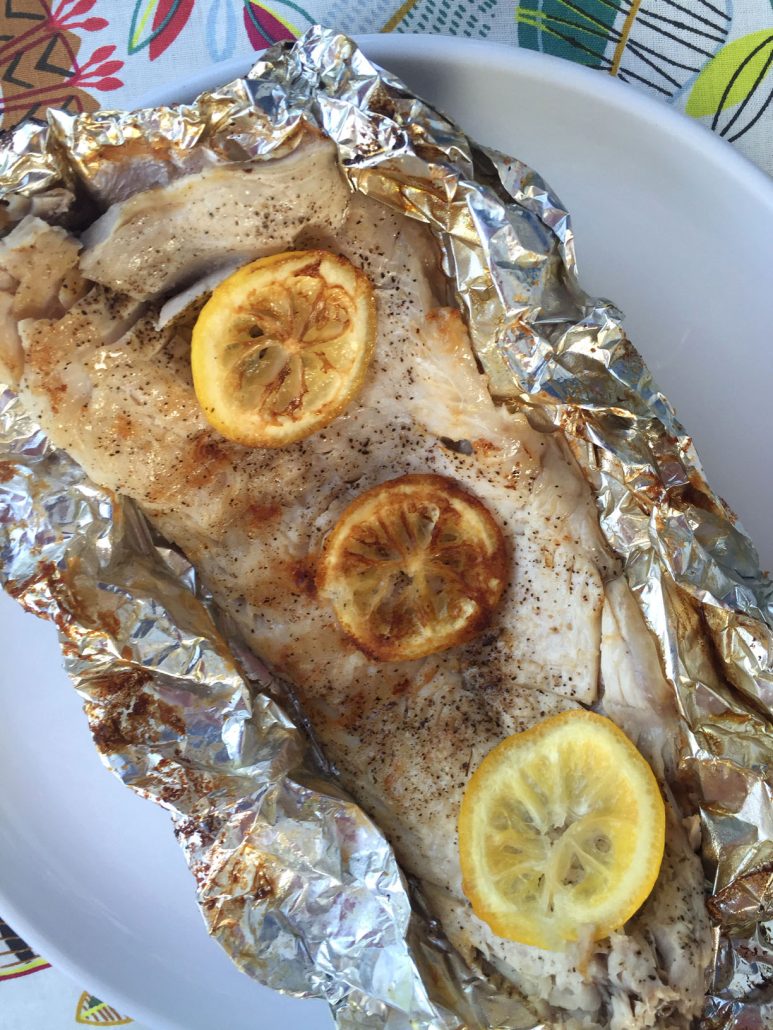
675 227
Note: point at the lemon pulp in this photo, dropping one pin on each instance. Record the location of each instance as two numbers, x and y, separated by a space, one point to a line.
561 832
413 566
282 347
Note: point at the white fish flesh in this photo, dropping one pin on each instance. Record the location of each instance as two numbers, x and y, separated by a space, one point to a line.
115 390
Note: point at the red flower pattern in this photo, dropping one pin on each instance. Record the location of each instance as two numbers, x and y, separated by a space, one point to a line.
40 67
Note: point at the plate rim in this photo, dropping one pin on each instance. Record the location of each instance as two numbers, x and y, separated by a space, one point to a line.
98 987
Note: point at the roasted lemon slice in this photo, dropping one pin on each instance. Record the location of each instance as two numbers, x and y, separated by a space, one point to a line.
561 832
282 346
413 566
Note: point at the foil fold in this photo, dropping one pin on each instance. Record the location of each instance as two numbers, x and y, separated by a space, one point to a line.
295 882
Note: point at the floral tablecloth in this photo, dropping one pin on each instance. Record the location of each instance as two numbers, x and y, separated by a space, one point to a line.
712 59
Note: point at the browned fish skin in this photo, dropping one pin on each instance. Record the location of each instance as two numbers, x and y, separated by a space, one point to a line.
116 392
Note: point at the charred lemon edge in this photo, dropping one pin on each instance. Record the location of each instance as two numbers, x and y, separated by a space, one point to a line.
639 769
328 572
210 397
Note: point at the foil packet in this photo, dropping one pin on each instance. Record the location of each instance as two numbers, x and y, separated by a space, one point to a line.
294 881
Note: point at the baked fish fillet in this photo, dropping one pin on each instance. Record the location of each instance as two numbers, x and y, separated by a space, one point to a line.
115 391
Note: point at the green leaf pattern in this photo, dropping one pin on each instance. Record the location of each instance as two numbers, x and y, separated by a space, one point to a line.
733 75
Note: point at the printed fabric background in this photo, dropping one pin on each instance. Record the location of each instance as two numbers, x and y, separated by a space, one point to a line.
712 59
33 996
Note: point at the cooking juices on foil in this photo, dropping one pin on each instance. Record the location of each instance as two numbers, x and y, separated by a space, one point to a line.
289 873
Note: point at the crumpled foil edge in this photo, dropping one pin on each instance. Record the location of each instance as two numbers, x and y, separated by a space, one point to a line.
143 648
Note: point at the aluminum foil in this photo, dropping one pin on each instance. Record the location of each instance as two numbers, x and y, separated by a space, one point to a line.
295 882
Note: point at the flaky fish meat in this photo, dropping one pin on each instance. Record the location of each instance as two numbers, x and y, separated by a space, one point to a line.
110 380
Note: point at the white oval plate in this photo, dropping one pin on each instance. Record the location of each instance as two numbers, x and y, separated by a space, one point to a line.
675 227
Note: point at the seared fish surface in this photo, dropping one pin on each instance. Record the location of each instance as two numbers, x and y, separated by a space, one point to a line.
115 390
